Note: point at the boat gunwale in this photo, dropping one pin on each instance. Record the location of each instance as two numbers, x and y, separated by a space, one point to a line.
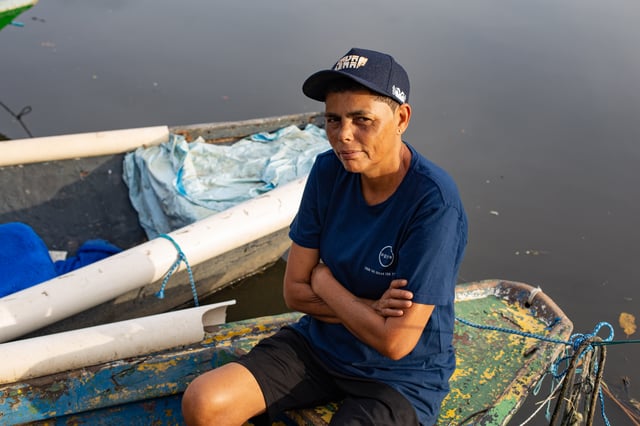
230 131
559 326
525 294
73 146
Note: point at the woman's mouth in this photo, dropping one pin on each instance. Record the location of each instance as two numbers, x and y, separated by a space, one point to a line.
349 155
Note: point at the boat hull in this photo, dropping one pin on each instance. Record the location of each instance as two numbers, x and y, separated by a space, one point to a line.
72 200
494 374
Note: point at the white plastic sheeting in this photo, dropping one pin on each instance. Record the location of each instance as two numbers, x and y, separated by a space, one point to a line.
177 183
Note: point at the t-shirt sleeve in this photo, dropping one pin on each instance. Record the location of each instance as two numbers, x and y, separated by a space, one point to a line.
430 256
307 224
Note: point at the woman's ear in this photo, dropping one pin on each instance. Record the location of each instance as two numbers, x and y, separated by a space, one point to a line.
404 116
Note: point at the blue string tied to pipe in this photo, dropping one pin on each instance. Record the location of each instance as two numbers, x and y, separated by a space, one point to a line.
180 258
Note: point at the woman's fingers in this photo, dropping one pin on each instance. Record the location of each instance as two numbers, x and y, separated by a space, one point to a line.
398 283
395 291
394 300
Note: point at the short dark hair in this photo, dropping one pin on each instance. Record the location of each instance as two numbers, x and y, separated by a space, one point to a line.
345 84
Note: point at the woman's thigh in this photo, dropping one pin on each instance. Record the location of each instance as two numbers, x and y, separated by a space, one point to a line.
369 412
287 373
371 403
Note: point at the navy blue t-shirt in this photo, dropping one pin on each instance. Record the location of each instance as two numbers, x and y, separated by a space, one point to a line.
419 234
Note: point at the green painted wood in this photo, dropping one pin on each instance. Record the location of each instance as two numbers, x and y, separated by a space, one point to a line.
9 10
495 375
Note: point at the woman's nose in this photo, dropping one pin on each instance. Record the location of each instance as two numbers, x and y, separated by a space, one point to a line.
345 132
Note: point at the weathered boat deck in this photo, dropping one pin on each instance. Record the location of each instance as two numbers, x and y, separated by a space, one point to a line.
494 374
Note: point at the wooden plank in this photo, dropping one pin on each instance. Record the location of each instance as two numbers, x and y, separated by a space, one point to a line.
131 380
230 131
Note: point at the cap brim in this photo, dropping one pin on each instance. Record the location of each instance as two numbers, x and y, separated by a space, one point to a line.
316 85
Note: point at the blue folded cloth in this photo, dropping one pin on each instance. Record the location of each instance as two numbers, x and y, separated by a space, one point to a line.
89 252
25 259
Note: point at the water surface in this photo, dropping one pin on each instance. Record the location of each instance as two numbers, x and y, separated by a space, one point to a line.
533 107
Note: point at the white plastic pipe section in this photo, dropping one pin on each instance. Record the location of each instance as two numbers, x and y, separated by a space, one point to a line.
40 356
51 148
99 282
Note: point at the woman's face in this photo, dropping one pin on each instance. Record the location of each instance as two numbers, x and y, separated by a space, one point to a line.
365 132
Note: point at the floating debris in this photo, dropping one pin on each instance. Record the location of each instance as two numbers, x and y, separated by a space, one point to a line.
627 323
531 252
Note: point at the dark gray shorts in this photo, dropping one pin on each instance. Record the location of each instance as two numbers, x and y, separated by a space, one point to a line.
291 376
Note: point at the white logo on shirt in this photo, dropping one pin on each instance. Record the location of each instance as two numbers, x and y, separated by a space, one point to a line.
385 257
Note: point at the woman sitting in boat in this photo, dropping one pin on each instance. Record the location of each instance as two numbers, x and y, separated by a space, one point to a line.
377 243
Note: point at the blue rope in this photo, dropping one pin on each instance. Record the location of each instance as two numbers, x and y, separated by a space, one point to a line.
601 399
181 258
574 342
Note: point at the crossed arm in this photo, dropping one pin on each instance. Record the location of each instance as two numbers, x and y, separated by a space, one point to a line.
392 324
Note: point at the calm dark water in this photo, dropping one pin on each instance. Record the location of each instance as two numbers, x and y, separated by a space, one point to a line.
533 107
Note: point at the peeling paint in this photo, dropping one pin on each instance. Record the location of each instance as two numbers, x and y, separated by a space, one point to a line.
494 374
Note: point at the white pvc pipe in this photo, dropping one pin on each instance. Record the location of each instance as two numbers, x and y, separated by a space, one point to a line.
51 148
40 356
99 282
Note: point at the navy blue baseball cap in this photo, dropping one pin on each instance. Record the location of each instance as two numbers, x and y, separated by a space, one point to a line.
376 71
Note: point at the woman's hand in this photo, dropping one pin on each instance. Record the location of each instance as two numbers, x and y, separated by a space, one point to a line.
392 325
394 301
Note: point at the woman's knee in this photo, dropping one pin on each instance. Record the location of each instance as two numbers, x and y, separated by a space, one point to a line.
228 395
202 403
